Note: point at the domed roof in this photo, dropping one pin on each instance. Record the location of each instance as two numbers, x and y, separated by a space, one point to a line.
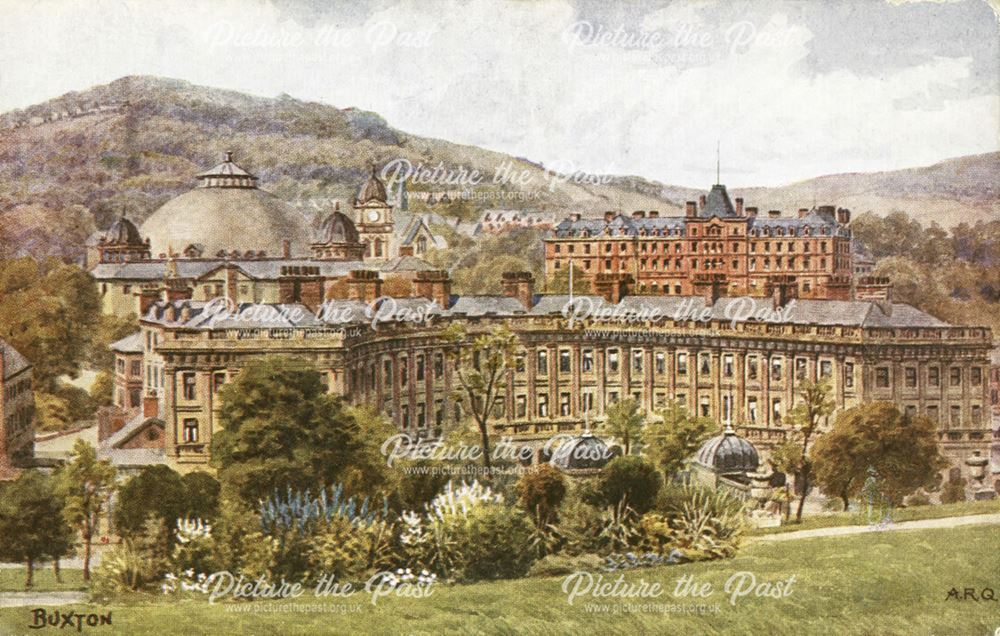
123 232
729 453
584 452
336 228
372 190
226 218
227 175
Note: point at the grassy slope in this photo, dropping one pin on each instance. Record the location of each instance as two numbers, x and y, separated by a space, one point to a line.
892 583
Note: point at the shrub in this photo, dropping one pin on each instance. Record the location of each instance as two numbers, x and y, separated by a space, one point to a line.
490 542
238 543
201 492
918 499
136 563
540 494
631 480
157 491
193 546
953 491
347 551
710 524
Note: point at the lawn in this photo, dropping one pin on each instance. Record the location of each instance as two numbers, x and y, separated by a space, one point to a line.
12 580
937 511
876 583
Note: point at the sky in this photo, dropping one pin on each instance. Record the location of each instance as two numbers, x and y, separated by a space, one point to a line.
788 90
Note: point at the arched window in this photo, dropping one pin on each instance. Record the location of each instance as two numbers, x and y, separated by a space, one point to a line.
378 248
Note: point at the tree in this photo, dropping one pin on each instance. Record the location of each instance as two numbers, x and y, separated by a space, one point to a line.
675 434
624 420
540 493
110 328
102 390
559 281
902 449
481 365
31 522
805 420
201 495
281 428
85 484
629 481
157 492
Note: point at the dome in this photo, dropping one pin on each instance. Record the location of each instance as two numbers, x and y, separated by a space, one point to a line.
336 228
728 453
372 190
586 452
227 212
123 232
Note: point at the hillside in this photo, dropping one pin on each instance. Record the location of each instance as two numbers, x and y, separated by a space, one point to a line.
73 163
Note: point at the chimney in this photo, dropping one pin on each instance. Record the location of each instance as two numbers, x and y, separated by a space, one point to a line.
690 210
843 216
231 294
608 216
701 202
639 214
773 214
185 312
752 211
433 285
150 405
654 214
363 285
612 286
577 216
171 312
739 206
803 212
519 285
286 248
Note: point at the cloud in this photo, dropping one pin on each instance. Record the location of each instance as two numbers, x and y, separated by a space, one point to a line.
788 88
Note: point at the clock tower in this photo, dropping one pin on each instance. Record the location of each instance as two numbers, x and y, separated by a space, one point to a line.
373 218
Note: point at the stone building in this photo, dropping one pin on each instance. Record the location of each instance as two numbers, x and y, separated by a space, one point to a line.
715 244
741 372
17 412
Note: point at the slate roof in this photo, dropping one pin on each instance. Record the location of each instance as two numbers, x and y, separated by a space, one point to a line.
260 269
13 361
130 428
717 203
128 344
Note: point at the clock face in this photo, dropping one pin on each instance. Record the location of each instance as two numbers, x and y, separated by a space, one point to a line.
372 216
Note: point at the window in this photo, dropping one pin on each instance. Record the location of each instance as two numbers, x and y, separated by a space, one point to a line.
438 413
752 367
932 414
404 416
564 360
776 410
910 410
439 365
521 406
404 372
727 365
190 391
498 410
704 407
564 404
800 368
704 364
543 405
136 368
587 361
542 362
727 409
776 369
612 360
586 401
682 364
519 364
910 377
825 368
933 376
660 359
977 376
218 381
956 417
387 374
637 360
420 368
612 397
752 410
190 431
882 377
421 416
956 376
977 415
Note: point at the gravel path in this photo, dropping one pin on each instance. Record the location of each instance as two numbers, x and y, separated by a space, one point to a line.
920 524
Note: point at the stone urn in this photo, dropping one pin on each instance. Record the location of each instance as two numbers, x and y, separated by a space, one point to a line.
977 470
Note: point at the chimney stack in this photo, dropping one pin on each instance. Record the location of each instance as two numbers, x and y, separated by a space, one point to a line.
286 248
434 285
803 212
608 216
150 405
843 216
639 214
363 285
577 216
519 285
752 211
739 206
612 286
690 210
773 213
654 214
701 202
231 294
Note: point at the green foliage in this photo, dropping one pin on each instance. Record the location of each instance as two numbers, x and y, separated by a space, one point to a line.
918 499
63 406
479 269
109 329
489 543
282 429
624 420
47 311
902 449
238 543
350 551
158 492
201 495
674 435
813 409
708 524
85 484
953 491
563 564
102 390
631 480
559 282
541 492
137 563
31 521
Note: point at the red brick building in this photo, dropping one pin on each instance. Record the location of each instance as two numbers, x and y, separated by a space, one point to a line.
736 250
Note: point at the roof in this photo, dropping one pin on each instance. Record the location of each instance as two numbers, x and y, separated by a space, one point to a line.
728 453
128 344
260 269
586 452
123 232
226 169
373 190
336 228
130 429
13 361
717 203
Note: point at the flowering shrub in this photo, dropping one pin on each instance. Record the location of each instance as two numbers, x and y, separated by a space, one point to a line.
188 581
193 545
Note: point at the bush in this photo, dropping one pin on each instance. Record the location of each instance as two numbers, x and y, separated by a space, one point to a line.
953 491
201 492
348 551
239 543
709 524
193 547
631 480
490 542
918 499
541 492
137 563
156 491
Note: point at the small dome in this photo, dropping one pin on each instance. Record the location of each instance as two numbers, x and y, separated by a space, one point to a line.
227 175
728 453
123 232
372 190
586 452
336 228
